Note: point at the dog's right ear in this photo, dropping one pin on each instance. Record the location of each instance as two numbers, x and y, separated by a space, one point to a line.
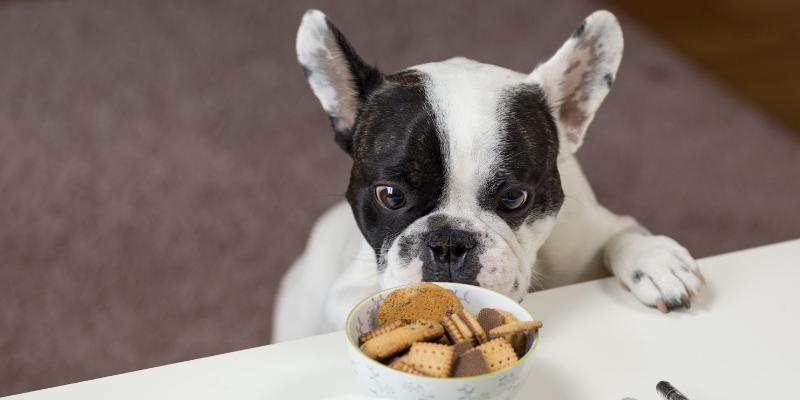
340 79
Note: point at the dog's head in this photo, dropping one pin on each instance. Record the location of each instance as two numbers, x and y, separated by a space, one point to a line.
455 173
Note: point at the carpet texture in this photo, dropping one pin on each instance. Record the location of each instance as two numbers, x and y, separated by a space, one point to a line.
162 162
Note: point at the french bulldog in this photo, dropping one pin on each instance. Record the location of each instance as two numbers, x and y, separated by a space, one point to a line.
466 172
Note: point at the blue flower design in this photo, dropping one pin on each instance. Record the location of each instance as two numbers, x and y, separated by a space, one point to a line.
467 394
380 389
417 390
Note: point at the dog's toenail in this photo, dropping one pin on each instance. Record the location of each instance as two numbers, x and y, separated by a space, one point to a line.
696 295
661 306
699 275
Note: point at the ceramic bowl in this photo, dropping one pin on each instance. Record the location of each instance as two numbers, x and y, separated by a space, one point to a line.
382 381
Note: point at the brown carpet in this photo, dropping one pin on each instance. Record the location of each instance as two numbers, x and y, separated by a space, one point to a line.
161 162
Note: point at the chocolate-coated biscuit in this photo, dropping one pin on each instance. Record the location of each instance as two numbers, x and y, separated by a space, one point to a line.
489 319
462 347
463 328
470 363
473 324
451 331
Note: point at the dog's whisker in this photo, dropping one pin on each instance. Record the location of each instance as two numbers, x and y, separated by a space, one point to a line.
537 275
541 276
369 260
573 198
534 281
545 261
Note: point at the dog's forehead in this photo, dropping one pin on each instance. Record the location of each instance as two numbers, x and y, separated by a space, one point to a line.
467 99
463 91
473 73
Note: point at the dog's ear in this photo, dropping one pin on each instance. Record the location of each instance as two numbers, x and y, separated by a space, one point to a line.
578 77
340 79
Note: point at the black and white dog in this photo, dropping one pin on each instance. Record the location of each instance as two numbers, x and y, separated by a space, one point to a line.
460 173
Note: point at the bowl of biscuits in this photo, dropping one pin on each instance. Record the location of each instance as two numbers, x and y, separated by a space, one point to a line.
441 341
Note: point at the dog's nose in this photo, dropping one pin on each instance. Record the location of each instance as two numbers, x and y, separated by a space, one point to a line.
448 250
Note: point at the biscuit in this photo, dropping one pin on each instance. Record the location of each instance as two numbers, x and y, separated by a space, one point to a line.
421 301
431 359
443 340
518 340
514 328
507 317
451 331
489 319
498 354
464 329
404 367
399 339
474 326
402 356
470 363
462 347
391 325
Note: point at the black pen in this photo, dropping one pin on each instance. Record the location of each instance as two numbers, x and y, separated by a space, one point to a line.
668 392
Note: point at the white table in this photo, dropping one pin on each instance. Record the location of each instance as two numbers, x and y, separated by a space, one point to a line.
598 342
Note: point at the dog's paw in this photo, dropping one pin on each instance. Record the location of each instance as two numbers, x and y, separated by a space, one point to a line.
656 269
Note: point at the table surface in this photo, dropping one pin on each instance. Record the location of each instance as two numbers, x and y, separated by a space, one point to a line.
598 342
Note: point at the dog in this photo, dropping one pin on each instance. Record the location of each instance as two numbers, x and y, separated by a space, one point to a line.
466 172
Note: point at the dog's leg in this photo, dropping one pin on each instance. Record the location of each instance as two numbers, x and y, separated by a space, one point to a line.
355 283
304 301
588 237
656 269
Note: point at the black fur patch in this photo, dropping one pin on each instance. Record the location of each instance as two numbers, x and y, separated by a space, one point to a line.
580 31
609 80
395 144
364 78
306 71
528 153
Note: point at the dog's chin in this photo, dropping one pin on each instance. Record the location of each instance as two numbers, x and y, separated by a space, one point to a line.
394 275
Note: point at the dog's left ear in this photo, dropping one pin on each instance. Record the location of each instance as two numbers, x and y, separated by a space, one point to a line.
578 77
337 75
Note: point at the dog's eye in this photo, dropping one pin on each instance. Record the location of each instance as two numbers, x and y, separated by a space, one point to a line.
391 197
512 200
